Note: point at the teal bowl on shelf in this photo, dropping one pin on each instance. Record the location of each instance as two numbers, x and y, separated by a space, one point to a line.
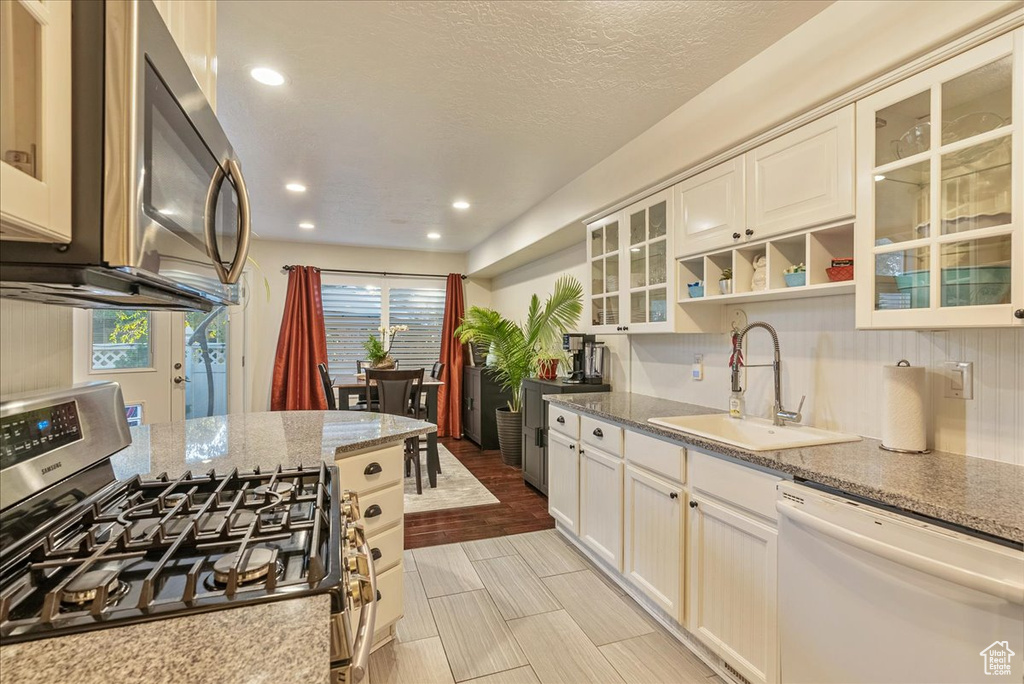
696 291
961 286
795 279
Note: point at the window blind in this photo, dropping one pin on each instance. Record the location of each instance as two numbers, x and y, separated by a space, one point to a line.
351 314
422 309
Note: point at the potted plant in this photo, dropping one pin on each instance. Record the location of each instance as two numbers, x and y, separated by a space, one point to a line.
515 348
378 352
725 281
548 360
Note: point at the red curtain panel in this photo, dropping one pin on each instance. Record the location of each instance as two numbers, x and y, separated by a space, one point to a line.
449 396
301 345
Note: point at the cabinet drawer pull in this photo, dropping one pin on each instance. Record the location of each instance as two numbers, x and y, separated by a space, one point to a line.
373 469
572 447
693 504
560 419
735 236
598 433
379 597
749 232
373 511
673 495
375 553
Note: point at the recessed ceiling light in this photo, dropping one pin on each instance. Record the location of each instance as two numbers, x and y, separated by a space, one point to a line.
460 204
306 225
879 178
434 236
267 76
295 187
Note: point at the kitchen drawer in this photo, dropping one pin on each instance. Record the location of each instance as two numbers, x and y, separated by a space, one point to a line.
372 470
658 456
604 436
743 487
387 546
382 509
389 607
566 422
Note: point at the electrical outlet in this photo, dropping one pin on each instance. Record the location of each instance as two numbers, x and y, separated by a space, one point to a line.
697 372
959 380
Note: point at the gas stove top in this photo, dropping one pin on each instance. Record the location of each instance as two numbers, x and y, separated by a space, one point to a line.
142 549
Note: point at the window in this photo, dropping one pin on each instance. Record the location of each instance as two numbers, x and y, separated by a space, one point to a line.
354 310
120 340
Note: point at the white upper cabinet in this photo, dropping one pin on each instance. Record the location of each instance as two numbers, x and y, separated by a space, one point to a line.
35 121
939 238
602 306
193 24
710 209
803 178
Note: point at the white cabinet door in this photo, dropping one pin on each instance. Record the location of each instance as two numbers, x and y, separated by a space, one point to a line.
648 268
601 504
35 120
563 481
603 308
940 196
732 580
710 209
653 555
803 178
193 24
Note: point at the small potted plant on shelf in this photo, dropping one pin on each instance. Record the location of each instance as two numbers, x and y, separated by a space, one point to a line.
378 352
795 275
548 360
515 348
725 281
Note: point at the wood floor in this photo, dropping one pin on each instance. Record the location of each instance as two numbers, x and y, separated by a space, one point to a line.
521 508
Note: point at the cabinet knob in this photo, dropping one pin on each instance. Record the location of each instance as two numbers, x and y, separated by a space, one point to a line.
673 495
1019 313
693 504
572 447
736 236
749 232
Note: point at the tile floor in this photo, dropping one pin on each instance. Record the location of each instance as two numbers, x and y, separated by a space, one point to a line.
524 609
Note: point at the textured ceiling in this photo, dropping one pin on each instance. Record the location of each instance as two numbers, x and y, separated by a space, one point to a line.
392 110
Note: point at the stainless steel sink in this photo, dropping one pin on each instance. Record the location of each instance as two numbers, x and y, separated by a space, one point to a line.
752 434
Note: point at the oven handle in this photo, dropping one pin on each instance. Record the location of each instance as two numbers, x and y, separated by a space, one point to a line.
228 276
367 622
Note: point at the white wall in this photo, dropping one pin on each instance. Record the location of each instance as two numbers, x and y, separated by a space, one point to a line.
838 367
265 311
35 346
844 46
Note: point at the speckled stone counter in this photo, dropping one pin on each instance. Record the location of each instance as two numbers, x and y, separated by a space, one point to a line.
247 440
976 493
283 641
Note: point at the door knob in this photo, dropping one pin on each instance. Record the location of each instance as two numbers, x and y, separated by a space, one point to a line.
178 380
177 366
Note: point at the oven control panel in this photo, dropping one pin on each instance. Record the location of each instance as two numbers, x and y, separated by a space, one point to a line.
31 433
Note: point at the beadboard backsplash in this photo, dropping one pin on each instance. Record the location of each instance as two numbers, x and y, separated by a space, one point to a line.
839 368
35 346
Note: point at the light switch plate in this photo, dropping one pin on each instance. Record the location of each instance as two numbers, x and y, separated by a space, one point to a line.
959 380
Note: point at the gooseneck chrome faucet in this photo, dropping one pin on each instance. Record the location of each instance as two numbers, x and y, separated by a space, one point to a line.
779 414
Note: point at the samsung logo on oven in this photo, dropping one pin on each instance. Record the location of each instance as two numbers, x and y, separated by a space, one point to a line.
50 468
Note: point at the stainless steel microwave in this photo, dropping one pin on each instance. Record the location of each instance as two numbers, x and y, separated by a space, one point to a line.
160 213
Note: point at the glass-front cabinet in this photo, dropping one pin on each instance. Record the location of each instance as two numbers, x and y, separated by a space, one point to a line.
940 192
631 281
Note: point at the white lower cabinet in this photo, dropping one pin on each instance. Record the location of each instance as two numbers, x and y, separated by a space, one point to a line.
653 536
600 524
732 588
563 481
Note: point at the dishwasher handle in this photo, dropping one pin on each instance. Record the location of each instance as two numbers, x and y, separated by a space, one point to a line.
1008 591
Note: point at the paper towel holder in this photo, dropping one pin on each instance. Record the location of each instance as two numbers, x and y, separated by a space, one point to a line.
905 364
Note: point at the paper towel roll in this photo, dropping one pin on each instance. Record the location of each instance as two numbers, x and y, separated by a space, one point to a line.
904 420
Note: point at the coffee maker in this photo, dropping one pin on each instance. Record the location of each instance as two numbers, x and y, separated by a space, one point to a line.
588 358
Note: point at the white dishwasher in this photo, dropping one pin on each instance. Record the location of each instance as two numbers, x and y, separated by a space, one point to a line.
868 596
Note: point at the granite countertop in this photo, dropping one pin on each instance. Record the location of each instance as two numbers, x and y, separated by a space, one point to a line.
976 493
292 636
283 641
247 440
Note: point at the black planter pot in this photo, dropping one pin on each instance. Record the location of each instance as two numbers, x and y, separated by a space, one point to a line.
510 436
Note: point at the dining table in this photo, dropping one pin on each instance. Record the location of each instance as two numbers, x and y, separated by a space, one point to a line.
347 385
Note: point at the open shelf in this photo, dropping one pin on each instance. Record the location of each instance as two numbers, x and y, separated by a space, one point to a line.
815 248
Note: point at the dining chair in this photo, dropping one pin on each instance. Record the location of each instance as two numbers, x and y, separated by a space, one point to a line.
325 381
435 374
398 394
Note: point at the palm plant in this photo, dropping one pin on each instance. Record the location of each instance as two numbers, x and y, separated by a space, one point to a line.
515 346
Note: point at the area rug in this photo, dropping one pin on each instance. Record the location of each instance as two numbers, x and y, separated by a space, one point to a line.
456 487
